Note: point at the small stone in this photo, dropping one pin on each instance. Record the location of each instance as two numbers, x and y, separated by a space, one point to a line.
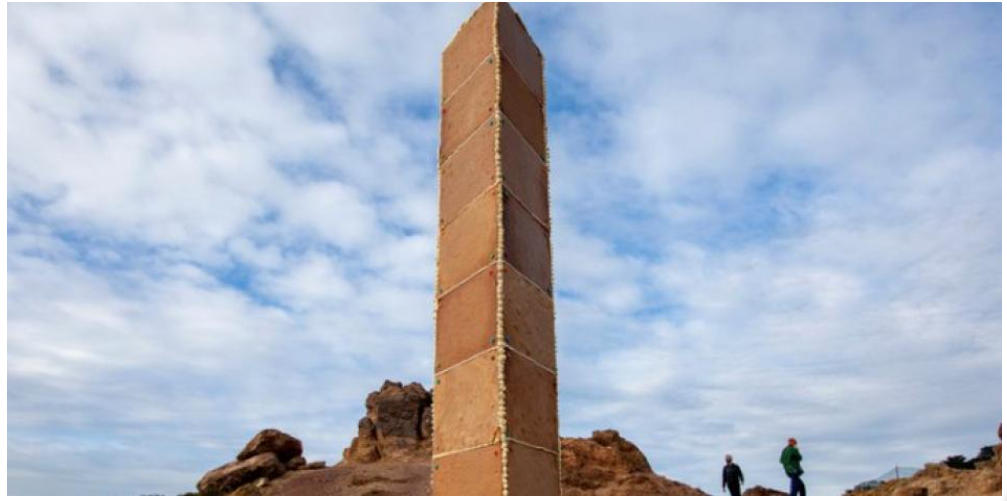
296 463
283 445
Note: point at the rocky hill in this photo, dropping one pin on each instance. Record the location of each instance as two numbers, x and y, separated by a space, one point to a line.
759 490
981 476
391 456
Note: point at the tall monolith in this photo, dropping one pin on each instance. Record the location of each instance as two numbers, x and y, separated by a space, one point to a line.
495 389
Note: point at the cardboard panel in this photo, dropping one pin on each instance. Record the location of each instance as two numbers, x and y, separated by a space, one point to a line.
528 319
469 171
524 171
522 107
466 405
531 403
478 472
469 242
471 46
531 472
517 44
466 320
527 245
468 108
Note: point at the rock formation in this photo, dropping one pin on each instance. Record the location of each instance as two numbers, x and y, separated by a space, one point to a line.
269 454
391 456
227 478
983 478
284 446
759 490
398 425
609 465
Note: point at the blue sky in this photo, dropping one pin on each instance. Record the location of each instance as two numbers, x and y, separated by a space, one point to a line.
769 221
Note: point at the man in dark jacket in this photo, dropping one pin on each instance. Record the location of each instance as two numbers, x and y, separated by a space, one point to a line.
733 477
791 461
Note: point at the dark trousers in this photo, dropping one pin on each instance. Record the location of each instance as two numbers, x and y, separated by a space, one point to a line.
734 488
797 485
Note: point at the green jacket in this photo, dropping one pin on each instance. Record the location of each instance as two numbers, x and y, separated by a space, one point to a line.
791 461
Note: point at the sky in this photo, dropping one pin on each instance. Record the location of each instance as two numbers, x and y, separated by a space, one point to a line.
768 221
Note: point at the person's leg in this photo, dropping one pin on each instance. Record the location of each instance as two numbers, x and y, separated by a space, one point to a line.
801 487
793 484
734 488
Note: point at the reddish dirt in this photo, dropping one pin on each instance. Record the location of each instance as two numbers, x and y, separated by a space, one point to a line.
375 479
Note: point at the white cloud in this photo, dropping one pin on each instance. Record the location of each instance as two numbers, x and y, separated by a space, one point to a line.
769 221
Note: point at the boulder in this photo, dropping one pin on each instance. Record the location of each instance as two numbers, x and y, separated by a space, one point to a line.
314 465
398 425
296 463
253 489
235 474
284 446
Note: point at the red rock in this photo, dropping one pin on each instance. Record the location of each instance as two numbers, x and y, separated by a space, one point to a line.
235 474
284 446
396 426
759 490
296 463
609 465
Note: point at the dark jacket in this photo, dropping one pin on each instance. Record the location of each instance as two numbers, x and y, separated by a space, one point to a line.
791 461
733 475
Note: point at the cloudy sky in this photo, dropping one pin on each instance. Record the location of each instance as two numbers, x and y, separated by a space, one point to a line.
768 221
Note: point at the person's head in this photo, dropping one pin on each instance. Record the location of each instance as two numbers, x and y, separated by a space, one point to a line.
729 459
792 442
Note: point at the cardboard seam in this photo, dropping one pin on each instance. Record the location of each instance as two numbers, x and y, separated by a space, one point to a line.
468 205
467 449
445 101
528 357
463 362
498 164
440 165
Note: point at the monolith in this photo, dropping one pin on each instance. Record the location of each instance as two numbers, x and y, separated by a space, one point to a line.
495 389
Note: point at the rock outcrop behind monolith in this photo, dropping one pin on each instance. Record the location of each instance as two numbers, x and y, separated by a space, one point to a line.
397 427
609 465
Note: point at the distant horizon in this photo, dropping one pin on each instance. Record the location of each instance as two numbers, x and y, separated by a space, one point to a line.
769 220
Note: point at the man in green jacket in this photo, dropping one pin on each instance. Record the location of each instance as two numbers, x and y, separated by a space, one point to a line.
791 461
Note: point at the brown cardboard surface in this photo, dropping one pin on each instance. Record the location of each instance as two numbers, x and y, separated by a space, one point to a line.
522 51
531 403
524 171
531 472
470 106
469 171
469 242
527 245
478 472
528 319
471 45
466 401
521 107
466 320
467 442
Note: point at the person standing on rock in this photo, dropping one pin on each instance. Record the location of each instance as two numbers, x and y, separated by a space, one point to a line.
733 477
791 461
